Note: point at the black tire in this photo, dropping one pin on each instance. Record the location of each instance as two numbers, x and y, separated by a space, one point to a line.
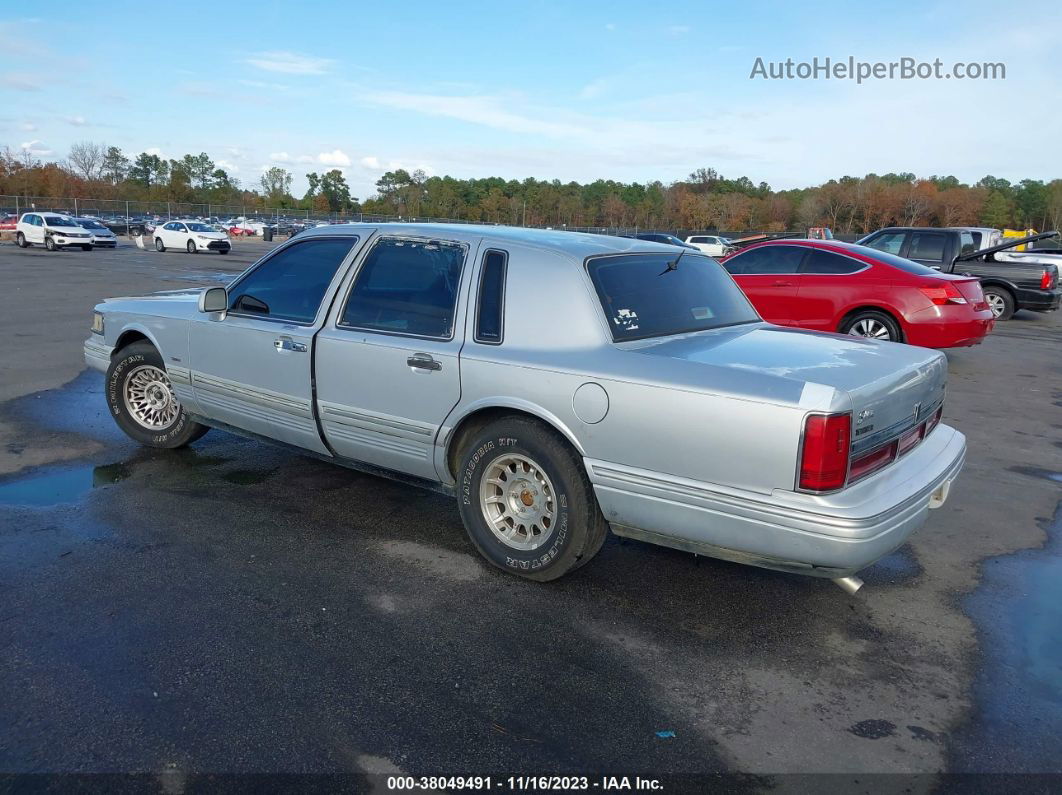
86 248
158 245
223 251
577 528
180 432
191 247
1000 300
20 241
872 319
49 243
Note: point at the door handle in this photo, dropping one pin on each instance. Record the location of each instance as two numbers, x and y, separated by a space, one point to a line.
288 344
423 361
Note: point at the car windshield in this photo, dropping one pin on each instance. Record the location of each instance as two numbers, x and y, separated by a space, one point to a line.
57 221
91 224
199 227
657 294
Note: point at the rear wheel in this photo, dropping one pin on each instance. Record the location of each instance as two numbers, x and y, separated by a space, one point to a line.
872 325
526 502
1000 301
158 244
20 240
143 402
191 247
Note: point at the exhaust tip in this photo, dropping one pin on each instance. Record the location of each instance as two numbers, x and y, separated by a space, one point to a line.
848 584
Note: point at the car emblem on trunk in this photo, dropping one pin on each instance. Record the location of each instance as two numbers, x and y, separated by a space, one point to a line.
917 410
864 415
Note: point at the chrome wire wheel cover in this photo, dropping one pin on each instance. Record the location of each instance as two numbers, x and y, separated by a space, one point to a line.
995 303
869 327
149 397
518 502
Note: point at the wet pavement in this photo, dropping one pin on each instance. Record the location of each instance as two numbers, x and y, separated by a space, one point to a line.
232 607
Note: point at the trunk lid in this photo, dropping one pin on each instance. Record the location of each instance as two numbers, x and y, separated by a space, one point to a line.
891 386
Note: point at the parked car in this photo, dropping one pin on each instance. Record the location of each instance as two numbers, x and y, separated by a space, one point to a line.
8 223
240 231
51 230
662 237
101 235
1008 286
192 236
834 286
663 407
713 245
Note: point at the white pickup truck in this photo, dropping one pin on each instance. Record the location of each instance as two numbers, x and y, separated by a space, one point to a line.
712 245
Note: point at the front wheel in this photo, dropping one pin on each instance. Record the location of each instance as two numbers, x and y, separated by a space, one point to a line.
86 248
49 243
159 245
143 402
872 325
1000 301
191 247
526 502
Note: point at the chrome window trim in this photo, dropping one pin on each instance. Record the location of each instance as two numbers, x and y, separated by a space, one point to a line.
340 326
758 248
289 244
479 297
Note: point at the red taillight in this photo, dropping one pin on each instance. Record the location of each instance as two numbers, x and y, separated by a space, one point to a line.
910 439
872 462
948 294
1047 279
824 457
934 421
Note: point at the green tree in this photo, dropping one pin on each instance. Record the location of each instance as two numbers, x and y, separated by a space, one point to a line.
148 170
334 188
115 165
996 211
276 185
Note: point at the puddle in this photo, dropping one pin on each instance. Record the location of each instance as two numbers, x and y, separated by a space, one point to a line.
55 486
1018 611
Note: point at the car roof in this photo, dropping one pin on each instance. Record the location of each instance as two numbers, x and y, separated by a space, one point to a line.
577 244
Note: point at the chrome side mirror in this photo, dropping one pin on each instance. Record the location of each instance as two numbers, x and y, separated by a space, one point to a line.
213 299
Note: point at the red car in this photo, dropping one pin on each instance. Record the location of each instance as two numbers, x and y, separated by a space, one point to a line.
827 285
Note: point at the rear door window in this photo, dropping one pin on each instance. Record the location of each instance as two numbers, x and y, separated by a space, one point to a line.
766 260
927 247
827 262
407 287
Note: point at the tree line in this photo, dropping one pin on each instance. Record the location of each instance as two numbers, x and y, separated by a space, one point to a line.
704 200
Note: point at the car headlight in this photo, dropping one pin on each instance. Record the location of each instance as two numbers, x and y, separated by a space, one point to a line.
202 237
97 322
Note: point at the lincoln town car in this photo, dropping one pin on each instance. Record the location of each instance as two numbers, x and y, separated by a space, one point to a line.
558 385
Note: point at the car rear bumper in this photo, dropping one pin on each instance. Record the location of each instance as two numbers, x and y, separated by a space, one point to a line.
1038 300
831 535
948 327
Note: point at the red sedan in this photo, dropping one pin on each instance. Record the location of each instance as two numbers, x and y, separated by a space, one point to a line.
827 285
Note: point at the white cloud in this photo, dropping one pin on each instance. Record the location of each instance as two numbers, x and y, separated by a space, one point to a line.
20 81
678 30
476 109
228 166
28 126
77 121
610 26
337 157
291 63
280 157
594 89
35 148
153 150
262 84
371 163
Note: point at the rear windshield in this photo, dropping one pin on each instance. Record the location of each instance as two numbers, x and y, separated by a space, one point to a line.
886 258
657 294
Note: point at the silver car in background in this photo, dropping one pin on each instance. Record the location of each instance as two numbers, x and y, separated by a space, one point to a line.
102 237
557 385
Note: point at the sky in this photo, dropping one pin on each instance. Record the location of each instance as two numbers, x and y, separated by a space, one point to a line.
630 91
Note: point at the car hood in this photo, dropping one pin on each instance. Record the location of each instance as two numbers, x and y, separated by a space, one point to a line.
837 372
